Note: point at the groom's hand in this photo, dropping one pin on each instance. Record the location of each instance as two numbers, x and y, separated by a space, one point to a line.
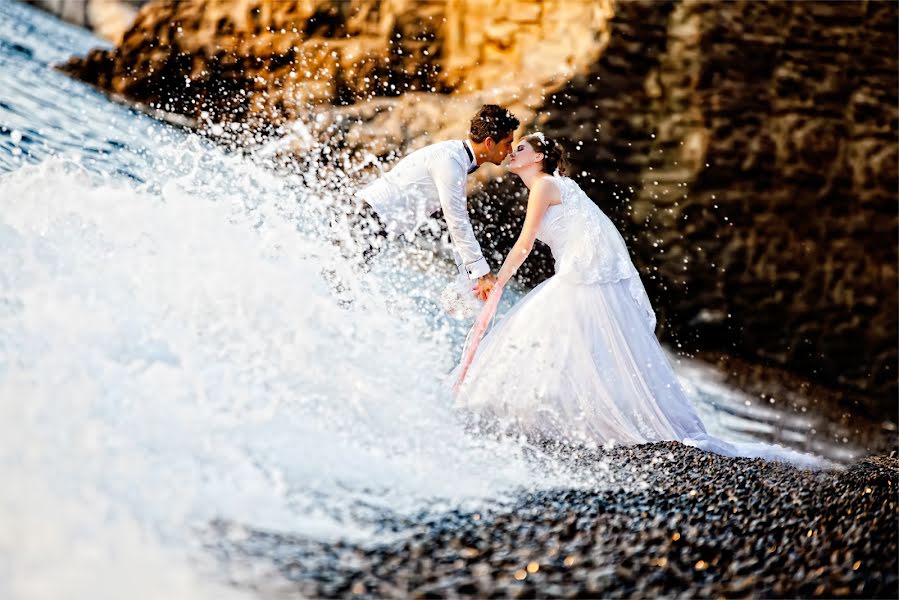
485 284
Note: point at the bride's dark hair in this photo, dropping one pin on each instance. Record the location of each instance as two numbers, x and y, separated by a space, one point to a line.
553 154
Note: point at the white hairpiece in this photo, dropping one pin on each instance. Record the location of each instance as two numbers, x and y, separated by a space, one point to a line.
539 135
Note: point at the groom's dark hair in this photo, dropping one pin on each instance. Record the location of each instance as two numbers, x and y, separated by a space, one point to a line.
492 121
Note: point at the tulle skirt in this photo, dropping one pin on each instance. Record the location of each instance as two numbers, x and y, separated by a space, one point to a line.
581 365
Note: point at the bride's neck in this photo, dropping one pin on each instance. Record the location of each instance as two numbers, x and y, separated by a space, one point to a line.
529 178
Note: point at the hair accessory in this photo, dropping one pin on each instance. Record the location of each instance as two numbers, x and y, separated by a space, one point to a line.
539 135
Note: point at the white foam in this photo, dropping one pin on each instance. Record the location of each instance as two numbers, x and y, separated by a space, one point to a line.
170 355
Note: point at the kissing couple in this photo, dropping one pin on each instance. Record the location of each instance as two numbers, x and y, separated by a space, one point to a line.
576 361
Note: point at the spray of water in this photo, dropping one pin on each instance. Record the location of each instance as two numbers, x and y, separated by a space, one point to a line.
172 352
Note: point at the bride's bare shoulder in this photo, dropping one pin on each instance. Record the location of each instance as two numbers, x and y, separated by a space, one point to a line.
547 189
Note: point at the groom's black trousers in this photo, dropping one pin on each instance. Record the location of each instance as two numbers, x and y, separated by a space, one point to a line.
359 231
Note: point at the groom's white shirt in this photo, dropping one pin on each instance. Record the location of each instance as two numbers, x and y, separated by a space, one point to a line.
430 178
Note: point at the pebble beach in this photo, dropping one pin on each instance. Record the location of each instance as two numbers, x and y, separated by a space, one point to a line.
673 521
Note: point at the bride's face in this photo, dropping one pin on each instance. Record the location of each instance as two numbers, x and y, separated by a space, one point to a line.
523 155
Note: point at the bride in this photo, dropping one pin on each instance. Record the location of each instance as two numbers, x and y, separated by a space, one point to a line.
577 360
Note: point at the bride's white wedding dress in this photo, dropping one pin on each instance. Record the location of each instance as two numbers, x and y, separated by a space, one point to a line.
577 359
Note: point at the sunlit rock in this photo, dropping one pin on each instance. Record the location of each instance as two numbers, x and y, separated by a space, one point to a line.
109 19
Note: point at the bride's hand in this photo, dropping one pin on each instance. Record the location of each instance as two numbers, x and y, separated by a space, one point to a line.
484 286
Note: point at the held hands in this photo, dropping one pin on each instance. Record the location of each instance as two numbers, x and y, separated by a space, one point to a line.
493 289
484 286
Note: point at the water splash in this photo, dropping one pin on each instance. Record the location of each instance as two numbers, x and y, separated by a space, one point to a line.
172 352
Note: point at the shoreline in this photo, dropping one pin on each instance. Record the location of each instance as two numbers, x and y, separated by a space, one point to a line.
859 418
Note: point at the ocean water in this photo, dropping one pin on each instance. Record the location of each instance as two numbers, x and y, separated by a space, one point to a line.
174 353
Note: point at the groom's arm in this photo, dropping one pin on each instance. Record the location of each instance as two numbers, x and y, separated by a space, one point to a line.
450 181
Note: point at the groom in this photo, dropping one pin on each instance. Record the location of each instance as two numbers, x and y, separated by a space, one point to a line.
433 178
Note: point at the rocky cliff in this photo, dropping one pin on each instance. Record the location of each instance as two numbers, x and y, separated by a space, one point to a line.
747 149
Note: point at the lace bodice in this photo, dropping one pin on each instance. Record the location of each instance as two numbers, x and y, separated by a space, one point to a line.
585 244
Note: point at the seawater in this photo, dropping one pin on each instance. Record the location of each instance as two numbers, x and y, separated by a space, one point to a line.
173 353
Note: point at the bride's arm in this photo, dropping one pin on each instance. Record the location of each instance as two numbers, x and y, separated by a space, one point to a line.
542 195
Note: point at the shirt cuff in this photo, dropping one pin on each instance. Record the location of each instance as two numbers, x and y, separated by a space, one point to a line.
475 270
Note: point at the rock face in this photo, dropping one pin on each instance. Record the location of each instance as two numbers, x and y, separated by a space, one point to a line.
747 150
750 150
275 60
107 18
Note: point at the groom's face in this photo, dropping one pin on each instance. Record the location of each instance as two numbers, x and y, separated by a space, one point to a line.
497 151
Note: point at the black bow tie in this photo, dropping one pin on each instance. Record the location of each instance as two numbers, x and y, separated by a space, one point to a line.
474 167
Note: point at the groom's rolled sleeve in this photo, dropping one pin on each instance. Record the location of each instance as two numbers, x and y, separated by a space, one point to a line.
449 178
